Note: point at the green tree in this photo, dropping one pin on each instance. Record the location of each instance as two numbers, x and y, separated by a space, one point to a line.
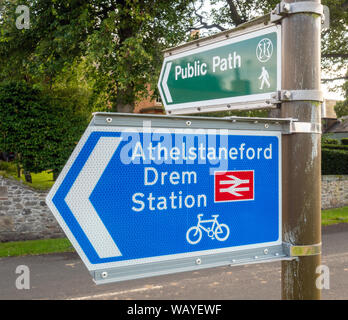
117 43
41 129
341 107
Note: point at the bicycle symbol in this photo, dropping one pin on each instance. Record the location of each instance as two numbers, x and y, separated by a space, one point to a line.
218 230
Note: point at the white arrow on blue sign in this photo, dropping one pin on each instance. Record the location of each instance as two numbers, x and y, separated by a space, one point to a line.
134 198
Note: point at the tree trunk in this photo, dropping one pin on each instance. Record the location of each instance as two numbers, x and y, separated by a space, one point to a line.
18 167
124 101
27 176
125 108
18 170
55 175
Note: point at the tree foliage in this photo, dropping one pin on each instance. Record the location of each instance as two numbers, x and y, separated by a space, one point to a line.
117 43
80 56
41 129
341 107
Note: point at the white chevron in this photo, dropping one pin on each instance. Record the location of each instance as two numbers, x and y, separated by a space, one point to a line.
164 83
78 198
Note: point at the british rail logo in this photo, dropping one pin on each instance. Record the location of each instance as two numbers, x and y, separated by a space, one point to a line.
234 185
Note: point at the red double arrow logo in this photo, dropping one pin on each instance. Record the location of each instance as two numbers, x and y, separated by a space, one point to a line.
234 185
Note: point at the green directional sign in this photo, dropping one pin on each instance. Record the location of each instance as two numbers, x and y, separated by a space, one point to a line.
234 72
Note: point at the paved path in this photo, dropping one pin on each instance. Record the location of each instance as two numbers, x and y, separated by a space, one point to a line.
63 276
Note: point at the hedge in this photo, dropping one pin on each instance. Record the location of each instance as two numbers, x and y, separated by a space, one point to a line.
334 146
41 128
329 141
334 161
344 141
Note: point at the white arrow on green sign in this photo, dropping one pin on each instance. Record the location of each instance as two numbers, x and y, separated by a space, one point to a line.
236 71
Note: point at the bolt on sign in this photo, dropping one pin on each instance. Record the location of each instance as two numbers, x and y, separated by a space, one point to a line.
145 195
239 70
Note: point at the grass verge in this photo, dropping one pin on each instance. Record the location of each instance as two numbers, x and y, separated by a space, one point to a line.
334 216
41 181
34 247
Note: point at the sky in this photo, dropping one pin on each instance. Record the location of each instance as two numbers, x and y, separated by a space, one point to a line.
332 95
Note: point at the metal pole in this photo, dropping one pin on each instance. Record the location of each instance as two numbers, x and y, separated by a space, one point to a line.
301 154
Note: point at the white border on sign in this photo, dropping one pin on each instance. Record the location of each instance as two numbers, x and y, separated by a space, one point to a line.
77 150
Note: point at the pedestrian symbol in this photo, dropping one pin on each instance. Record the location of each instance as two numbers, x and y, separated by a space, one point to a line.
264 77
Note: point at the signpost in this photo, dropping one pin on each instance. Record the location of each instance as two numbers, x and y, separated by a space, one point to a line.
138 198
224 75
302 206
151 195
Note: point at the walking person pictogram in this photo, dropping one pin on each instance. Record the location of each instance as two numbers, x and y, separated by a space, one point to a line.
264 77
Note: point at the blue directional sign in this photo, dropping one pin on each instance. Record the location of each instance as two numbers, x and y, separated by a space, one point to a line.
168 199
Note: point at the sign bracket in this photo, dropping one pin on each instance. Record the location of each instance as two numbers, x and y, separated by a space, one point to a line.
286 251
284 9
305 127
301 251
298 95
250 256
284 125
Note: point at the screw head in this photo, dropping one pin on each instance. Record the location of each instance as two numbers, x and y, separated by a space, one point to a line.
287 94
265 251
108 120
104 274
198 261
287 7
188 123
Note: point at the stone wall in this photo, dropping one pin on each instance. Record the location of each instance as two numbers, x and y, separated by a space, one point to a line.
334 191
25 216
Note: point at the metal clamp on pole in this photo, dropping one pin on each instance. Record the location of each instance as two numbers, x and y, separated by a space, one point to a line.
300 95
284 9
300 251
305 127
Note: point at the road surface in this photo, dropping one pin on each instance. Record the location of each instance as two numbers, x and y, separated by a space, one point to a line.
63 276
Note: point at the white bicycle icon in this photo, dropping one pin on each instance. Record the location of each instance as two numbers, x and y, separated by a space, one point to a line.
218 230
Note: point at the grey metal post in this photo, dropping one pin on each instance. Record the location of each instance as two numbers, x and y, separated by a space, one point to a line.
301 154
